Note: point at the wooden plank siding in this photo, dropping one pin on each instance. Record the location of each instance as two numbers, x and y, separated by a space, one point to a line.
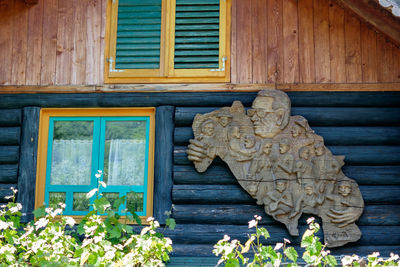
59 42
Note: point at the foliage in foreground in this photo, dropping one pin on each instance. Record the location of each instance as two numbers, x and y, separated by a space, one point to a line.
233 253
106 242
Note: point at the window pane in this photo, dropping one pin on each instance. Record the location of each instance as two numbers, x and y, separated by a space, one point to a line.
72 153
80 202
134 201
111 197
125 152
55 198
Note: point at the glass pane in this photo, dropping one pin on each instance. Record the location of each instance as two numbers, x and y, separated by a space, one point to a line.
125 152
55 198
134 201
72 153
80 202
111 197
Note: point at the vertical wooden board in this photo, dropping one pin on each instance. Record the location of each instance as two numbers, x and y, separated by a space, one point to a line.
337 43
163 161
290 42
93 52
6 11
396 64
321 41
78 66
64 42
102 39
49 43
258 24
384 53
369 58
34 54
244 42
306 41
353 49
19 43
233 42
274 44
27 163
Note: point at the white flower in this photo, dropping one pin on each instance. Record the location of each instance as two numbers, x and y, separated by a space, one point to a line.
42 222
226 238
62 205
287 241
4 225
310 220
103 184
14 190
8 197
97 239
86 242
91 193
98 175
119 246
258 218
393 257
109 255
252 223
70 221
278 246
374 254
150 219
347 260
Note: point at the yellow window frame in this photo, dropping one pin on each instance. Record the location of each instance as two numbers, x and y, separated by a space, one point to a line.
167 73
44 123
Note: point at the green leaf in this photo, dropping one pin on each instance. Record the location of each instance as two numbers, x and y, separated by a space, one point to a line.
40 212
135 216
100 204
262 231
291 253
118 202
115 232
306 241
170 222
331 260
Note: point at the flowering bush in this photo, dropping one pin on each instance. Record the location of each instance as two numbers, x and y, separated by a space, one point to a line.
51 241
232 252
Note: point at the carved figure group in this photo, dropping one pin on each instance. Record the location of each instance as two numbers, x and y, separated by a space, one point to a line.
282 163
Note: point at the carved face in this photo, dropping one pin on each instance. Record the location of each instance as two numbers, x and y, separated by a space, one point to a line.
249 141
296 130
283 148
309 190
281 186
208 129
344 189
305 153
224 121
319 150
234 132
267 148
267 123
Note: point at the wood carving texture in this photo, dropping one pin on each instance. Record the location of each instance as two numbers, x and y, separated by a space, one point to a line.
282 163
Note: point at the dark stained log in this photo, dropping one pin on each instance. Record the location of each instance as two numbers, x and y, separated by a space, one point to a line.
355 155
241 214
6 191
317 116
364 175
203 252
9 154
31 2
10 117
234 194
28 159
337 136
8 173
163 161
211 233
10 135
189 99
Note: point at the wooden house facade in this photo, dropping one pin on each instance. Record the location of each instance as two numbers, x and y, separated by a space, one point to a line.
338 60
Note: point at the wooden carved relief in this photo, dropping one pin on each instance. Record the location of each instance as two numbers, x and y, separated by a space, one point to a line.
280 162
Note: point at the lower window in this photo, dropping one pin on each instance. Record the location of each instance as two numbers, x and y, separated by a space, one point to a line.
74 144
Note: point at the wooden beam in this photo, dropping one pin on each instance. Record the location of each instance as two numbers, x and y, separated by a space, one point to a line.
158 88
31 2
374 14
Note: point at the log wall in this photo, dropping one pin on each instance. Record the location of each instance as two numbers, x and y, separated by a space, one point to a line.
57 42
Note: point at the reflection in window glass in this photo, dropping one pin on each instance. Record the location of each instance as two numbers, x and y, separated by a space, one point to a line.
55 198
134 201
71 153
125 152
111 197
80 202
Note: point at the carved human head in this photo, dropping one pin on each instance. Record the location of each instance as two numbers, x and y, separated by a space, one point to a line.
234 132
284 146
309 189
207 127
270 113
304 153
224 118
267 146
249 140
319 149
281 185
344 188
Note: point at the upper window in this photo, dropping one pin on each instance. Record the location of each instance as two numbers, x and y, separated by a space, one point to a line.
167 41
75 143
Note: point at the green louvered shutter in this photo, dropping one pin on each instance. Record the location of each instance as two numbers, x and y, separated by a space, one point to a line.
197 34
138 34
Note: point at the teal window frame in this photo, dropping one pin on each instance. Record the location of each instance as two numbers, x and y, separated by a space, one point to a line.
98 147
